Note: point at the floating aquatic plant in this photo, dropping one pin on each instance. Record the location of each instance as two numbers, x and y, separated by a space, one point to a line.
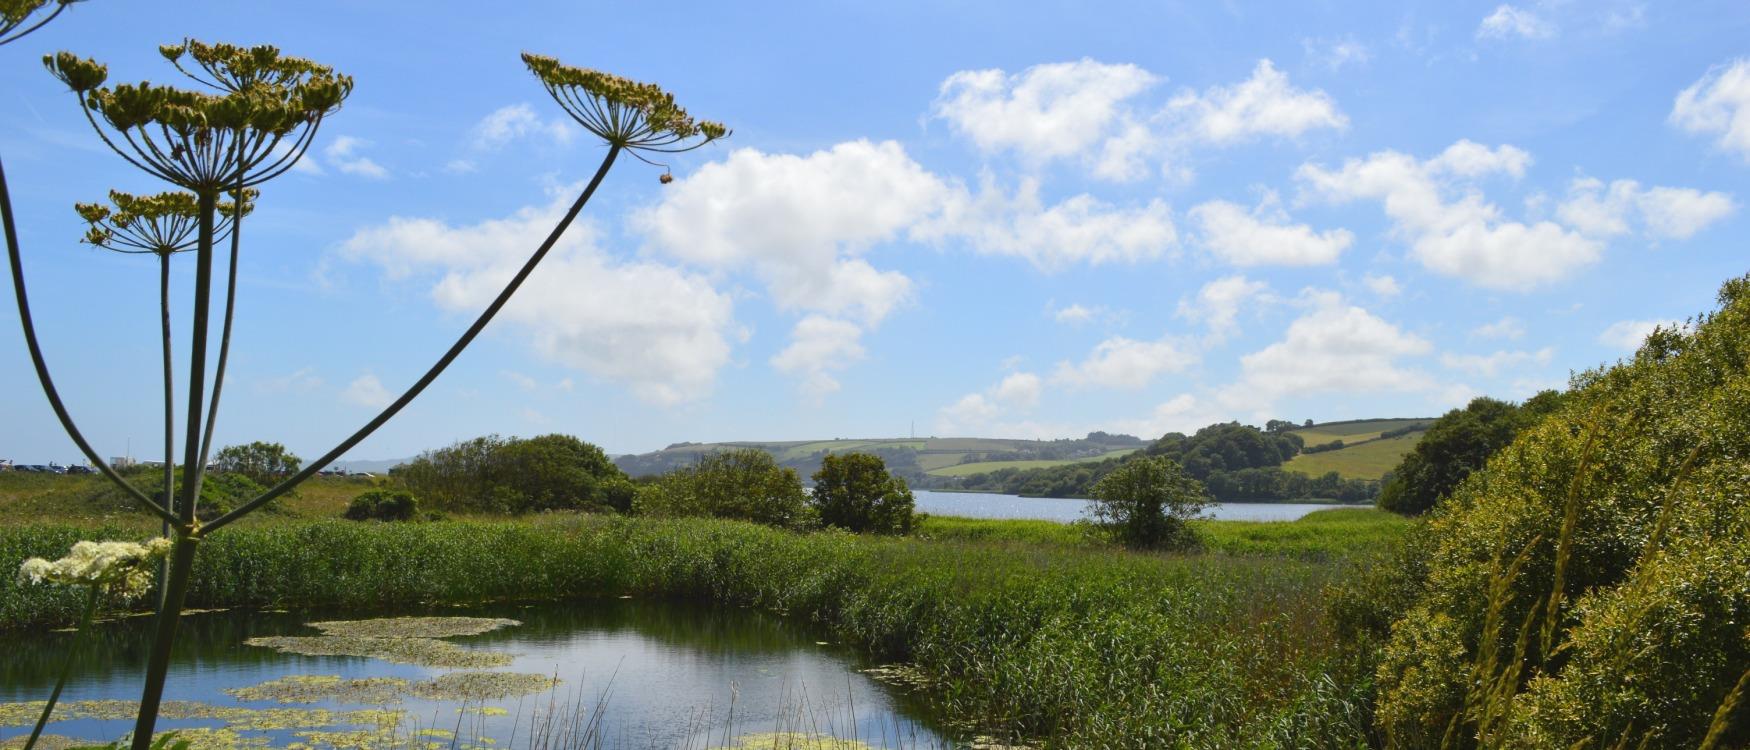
300 688
482 686
793 741
413 627
424 652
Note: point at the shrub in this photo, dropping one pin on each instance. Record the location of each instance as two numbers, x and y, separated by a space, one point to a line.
495 475
1592 583
854 491
383 505
1146 503
262 462
745 484
1457 444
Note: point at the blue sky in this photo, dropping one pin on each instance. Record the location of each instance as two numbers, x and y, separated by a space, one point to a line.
978 217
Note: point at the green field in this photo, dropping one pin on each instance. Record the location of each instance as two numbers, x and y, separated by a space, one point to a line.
1369 460
981 467
1354 431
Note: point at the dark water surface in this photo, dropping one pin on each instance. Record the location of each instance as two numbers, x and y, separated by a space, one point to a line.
672 675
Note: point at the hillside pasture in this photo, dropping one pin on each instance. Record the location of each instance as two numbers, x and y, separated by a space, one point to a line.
1369 460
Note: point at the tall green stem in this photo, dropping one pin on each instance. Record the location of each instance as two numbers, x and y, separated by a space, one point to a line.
169 413
194 469
225 330
164 636
79 638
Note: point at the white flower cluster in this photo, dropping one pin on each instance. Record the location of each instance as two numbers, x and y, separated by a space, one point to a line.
123 567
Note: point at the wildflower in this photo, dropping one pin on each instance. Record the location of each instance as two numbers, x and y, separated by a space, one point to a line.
124 568
625 113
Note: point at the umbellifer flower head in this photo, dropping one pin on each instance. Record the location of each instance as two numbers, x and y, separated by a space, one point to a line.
258 121
124 568
13 14
164 224
625 113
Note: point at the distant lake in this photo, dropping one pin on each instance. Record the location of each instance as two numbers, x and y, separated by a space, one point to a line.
988 505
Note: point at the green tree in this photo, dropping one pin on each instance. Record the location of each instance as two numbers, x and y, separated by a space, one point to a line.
1458 443
854 491
745 484
261 462
1146 503
383 505
552 472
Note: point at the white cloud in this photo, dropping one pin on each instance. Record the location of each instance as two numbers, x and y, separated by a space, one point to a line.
1718 104
1663 212
1045 112
1119 362
1334 348
518 121
460 166
1183 413
1080 229
367 391
1490 365
1628 335
818 347
302 380
1451 228
1384 286
1018 392
659 331
1265 104
1264 236
520 380
343 155
1219 302
1075 314
1509 21
1506 328
1334 54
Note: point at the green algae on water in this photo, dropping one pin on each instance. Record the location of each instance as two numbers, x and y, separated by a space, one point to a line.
424 652
413 627
482 686
301 688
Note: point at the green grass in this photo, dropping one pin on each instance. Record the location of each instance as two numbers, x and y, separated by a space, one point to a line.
1370 460
1063 643
981 467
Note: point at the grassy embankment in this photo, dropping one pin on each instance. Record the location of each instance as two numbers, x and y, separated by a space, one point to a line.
1364 455
1025 628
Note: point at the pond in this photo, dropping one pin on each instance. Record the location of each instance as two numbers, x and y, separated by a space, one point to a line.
631 674
988 505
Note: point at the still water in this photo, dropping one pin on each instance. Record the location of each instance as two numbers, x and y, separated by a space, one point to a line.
986 505
649 674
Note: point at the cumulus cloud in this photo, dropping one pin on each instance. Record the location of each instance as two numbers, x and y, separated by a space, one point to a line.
1490 365
1076 314
1659 212
1335 347
1628 335
343 154
1045 112
1264 105
1018 392
1087 111
820 346
656 329
1219 302
1384 286
1718 104
1120 362
1435 205
1509 21
1335 54
1265 236
516 121
1507 327
367 391
1182 413
1077 230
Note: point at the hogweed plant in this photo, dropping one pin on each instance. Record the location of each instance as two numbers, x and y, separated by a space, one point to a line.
257 114
118 569
15 16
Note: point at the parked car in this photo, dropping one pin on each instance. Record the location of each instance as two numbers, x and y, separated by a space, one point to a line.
80 469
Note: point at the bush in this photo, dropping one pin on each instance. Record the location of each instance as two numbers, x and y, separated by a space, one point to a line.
1457 444
1591 585
745 484
854 491
383 505
1146 503
262 462
495 475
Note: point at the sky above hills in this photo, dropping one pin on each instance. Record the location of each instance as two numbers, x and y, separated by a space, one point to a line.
966 218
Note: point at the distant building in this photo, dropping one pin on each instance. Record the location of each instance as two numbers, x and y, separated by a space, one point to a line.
120 462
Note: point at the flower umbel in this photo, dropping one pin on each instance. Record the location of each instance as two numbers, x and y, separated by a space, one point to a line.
124 568
14 13
165 223
625 113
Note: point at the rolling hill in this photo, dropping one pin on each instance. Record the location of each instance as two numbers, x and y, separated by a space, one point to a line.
1365 454
913 458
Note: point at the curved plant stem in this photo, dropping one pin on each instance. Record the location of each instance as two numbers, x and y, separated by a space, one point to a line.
14 257
436 369
59 7
79 637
